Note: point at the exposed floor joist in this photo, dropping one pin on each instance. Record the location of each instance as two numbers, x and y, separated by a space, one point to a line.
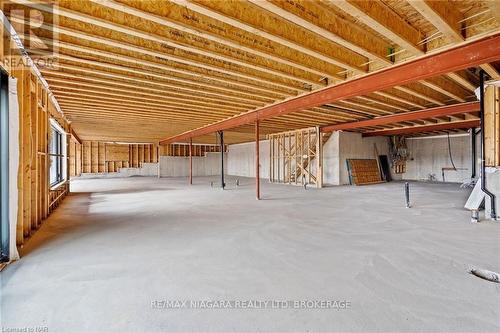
213 60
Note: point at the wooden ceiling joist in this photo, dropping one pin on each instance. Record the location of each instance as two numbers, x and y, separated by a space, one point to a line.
193 90
265 66
343 58
154 60
379 17
444 15
72 78
231 46
203 85
137 92
338 31
220 63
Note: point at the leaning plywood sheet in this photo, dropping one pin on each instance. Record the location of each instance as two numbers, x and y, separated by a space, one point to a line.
476 197
363 171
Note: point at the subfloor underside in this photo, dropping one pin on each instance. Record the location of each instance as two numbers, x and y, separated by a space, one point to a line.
116 248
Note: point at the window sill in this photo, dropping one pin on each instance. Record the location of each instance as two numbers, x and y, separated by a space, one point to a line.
56 186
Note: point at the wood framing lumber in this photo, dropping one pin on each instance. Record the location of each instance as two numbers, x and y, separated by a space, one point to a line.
76 137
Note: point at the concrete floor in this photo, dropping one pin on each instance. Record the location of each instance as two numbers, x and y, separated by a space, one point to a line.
117 245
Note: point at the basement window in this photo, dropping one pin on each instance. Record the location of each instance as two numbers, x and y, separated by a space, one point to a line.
57 153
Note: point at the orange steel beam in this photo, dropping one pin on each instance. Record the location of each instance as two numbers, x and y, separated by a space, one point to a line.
428 128
469 54
406 116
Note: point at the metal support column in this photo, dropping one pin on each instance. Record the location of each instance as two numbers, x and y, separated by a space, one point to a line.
190 161
473 152
223 184
483 148
257 161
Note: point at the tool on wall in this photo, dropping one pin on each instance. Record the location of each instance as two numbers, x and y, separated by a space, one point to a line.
398 153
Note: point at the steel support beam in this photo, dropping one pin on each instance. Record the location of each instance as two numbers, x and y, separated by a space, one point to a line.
190 161
257 161
429 128
473 135
222 183
467 54
407 116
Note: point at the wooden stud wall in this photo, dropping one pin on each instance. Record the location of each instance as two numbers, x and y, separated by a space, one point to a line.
75 154
183 149
36 200
102 157
291 155
492 126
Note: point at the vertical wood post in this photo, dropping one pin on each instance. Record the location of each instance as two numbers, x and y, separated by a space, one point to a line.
190 161
257 161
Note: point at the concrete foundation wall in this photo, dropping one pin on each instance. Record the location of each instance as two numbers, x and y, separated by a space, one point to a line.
493 185
208 165
147 170
427 156
331 160
241 159
346 145
353 145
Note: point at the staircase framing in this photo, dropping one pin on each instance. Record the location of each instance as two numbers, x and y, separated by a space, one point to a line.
296 157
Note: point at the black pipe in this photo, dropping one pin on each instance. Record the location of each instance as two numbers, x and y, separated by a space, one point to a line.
407 194
223 184
473 152
483 149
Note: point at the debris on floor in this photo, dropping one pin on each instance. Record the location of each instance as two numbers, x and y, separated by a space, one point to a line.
486 275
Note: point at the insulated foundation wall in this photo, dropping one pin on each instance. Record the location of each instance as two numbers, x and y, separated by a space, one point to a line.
208 165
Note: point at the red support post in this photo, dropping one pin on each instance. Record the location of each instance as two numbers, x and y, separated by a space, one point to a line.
257 161
190 161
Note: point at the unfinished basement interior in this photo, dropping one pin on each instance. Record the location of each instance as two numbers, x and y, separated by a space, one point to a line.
250 166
